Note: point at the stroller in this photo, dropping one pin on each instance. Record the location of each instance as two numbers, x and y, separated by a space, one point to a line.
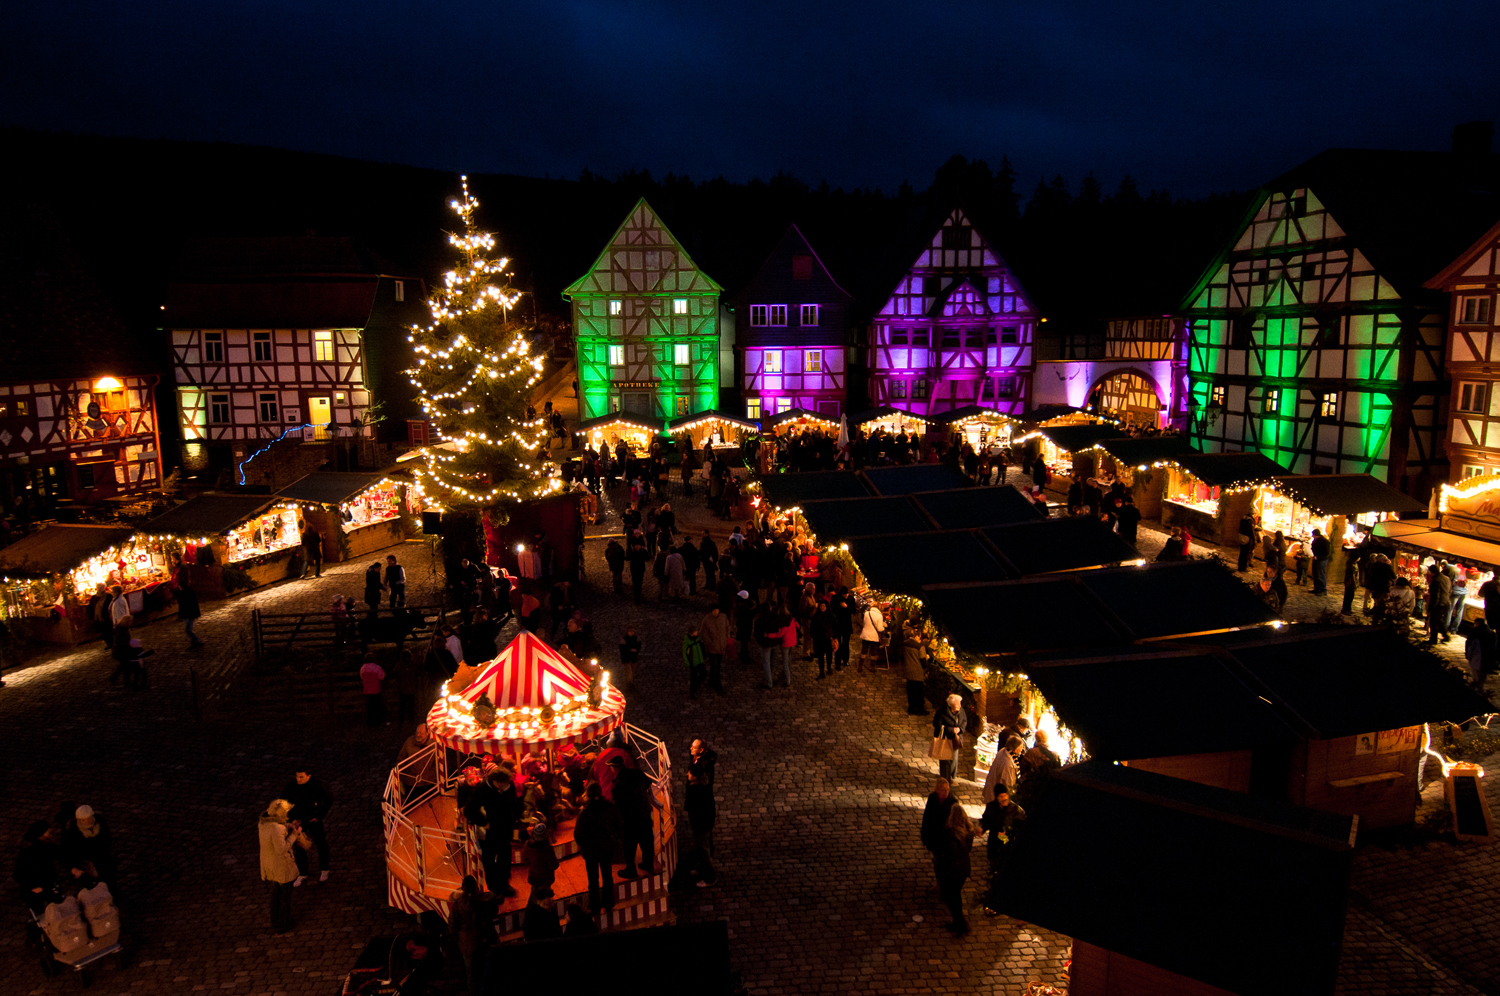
399 966
78 931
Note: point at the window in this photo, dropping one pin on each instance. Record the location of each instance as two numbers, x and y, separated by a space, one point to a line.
1005 387
1239 331
1272 400
810 316
1329 329
812 361
989 336
682 404
616 307
1218 395
1473 311
323 347
752 408
262 342
898 389
23 408
218 408
680 354
1297 206
898 336
85 476
1472 471
1328 404
213 347
778 314
759 315
1009 335
783 405
338 399
950 337
1472 397
974 337
400 290
919 388
679 305
802 270
920 337
268 408
617 356
4 409
772 361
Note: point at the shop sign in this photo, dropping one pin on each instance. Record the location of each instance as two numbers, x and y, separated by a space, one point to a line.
1406 739
636 383
1475 514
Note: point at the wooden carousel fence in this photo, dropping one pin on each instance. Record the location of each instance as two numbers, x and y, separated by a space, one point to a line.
319 631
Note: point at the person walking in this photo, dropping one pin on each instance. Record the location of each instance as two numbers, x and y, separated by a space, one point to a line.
693 658
702 811
789 643
372 678
98 611
373 586
614 556
1003 771
278 869
948 725
635 800
189 612
713 629
597 831
675 570
952 864
310 801
691 560
935 814
630 655
911 665
1322 553
312 551
822 626
119 605
395 580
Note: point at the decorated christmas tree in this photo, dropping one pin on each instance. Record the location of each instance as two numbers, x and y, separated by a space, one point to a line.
474 371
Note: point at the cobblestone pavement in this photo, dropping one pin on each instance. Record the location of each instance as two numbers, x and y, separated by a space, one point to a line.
823 882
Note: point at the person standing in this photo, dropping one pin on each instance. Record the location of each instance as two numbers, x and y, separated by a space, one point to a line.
948 725
789 642
99 614
691 559
1439 602
189 612
635 800
1248 528
693 658
373 587
310 801
702 810
372 677
1003 771
495 808
713 629
1352 570
935 813
1490 592
597 831
1000 817
823 639
911 665
119 606
674 569
630 655
465 920
1322 553
614 556
951 862
1128 520
873 627
278 869
395 580
312 549
637 555
540 859
708 555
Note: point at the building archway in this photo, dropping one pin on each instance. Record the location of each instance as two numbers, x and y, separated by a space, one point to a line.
1131 396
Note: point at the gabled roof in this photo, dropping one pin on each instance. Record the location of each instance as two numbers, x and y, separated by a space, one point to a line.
930 257
1177 597
1050 545
642 231
1138 451
886 411
329 487
972 411
208 515
650 423
905 479
1236 891
58 549
1075 438
794 415
1226 469
972 508
832 520
904 562
792 243
1465 259
711 414
1008 617
1345 494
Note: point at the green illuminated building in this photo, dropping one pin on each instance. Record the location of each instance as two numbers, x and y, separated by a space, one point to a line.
646 325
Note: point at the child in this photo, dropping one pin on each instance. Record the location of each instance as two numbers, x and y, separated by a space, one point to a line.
630 652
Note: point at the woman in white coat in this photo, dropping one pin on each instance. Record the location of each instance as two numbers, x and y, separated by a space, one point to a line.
873 623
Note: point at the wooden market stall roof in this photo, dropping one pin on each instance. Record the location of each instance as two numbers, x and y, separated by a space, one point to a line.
646 423
1345 494
329 487
1175 598
966 412
1143 451
971 508
1239 892
58 549
1228 469
904 562
208 515
909 478
1076 438
791 490
886 411
1049 545
797 415
684 422
835 519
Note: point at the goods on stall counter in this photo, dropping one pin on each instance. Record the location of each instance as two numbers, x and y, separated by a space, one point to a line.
371 507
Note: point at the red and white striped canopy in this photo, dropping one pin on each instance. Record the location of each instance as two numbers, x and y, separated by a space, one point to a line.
527 676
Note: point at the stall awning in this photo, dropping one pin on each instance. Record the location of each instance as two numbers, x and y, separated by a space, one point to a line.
832 520
904 480
327 487
1045 413
791 490
208 515
1424 535
685 422
973 412
885 412
1075 438
1239 892
1345 494
630 420
798 415
1174 598
903 563
1059 545
1143 451
974 508
1223 470
58 549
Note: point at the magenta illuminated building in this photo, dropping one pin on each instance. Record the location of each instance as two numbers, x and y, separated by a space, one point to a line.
791 330
957 330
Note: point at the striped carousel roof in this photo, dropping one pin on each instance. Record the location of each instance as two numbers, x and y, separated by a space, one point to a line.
526 677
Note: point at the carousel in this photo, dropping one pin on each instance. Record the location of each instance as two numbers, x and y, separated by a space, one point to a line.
534 710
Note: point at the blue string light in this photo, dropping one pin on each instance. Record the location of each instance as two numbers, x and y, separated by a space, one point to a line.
295 428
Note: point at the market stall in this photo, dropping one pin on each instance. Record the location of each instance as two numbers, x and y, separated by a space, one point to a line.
1208 493
1466 533
720 429
233 542
795 421
636 431
48 577
1343 507
1068 449
1141 463
356 514
548 719
979 427
892 420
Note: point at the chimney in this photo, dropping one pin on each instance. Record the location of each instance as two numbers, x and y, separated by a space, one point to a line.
1472 138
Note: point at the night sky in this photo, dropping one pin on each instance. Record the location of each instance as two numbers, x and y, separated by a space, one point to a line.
1192 97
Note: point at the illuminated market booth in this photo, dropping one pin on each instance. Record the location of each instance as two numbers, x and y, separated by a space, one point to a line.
795 421
1068 449
356 513
1208 493
725 431
979 427
49 576
233 542
1466 533
892 420
636 431
1142 463
1343 507
551 722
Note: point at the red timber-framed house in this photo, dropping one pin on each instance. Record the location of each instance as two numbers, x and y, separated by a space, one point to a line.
78 419
957 330
1472 282
285 337
1313 338
791 334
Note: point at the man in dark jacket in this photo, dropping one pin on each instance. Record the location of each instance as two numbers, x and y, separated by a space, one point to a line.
1322 552
310 804
1248 530
842 608
312 548
690 561
935 815
496 808
597 831
395 580
708 554
614 556
637 555
1000 817
189 612
1128 518
1439 601
916 675
635 800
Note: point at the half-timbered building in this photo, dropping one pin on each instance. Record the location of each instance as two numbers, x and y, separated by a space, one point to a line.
646 325
791 330
279 337
77 392
957 330
1313 339
1472 282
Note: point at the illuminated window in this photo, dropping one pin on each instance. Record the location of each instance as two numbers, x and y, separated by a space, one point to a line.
1218 395
268 408
617 356
759 315
802 270
682 404
1328 404
1472 471
1272 400
680 354
812 361
919 388
1005 387
400 290
772 361
810 315
920 337
218 408
783 405
4 409
679 306
213 347
615 307
1472 397
338 397
23 407
323 347
262 343
898 389
1473 311
752 408
778 314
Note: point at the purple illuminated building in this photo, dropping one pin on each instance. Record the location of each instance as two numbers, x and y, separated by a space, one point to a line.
957 330
791 326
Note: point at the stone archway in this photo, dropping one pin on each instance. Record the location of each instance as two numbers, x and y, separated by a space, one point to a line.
1130 395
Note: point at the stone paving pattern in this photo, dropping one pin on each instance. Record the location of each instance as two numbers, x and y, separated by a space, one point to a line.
824 883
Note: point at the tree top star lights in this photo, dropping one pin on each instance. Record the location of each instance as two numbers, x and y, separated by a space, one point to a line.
474 370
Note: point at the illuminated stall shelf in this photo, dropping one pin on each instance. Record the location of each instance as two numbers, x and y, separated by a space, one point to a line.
1208 493
797 420
356 514
892 420
979 426
1141 464
254 535
1068 448
1344 507
635 430
721 427
1466 533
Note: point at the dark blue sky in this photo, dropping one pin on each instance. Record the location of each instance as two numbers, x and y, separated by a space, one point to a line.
1190 96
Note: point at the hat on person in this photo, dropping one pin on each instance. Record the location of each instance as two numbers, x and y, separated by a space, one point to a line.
84 815
539 831
616 761
743 593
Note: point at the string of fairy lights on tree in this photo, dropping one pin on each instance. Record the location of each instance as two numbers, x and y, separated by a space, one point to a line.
474 370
